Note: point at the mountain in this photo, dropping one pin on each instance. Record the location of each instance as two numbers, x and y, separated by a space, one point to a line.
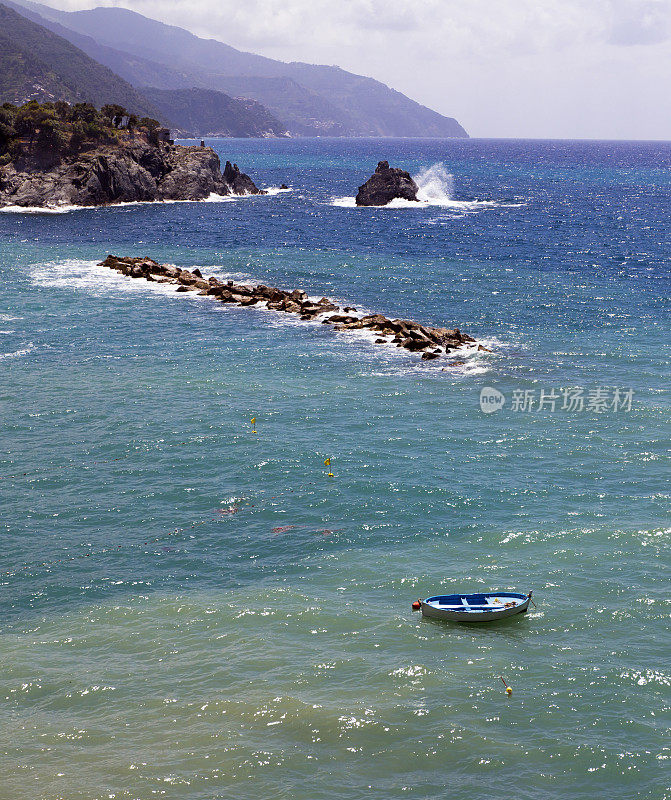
36 64
41 64
130 66
309 99
205 112
305 112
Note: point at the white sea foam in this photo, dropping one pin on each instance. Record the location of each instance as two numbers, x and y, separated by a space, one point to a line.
435 185
66 209
467 360
39 209
88 275
435 188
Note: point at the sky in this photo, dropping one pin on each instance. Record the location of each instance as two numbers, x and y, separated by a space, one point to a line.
583 69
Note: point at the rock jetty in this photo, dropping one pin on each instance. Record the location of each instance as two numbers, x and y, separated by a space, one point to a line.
429 341
120 173
386 184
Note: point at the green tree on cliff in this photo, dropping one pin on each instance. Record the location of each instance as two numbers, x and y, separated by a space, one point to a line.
114 113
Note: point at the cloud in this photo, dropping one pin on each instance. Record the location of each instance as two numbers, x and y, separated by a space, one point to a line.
640 21
431 27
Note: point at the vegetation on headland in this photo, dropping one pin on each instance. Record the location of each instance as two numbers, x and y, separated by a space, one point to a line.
59 129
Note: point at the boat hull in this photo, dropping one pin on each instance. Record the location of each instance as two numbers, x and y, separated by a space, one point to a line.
433 611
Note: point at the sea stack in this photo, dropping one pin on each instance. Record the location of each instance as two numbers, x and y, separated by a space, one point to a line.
386 184
238 182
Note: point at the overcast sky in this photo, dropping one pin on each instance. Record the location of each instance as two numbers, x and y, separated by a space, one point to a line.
521 68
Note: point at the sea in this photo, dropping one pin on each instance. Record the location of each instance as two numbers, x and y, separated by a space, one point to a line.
194 605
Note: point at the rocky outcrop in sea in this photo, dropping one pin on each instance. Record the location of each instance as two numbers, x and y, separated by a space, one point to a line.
237 181
430 341
118 173
386 184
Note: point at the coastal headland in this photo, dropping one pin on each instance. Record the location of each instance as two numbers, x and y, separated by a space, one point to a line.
55 154
431 342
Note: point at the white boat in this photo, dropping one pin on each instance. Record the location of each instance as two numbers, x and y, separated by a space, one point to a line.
479 607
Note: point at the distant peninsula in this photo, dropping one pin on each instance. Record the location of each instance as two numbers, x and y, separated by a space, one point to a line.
56 154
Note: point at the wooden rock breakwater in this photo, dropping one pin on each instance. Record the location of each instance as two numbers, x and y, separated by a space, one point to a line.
429 341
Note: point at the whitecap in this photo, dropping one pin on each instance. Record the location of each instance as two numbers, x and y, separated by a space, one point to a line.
18 353
275 190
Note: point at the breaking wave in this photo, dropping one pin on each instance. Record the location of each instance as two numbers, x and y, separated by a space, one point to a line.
18 353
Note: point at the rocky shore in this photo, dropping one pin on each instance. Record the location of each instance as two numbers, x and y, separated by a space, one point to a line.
386 184
431 342
120 173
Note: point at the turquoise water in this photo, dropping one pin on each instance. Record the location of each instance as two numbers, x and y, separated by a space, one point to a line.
190 610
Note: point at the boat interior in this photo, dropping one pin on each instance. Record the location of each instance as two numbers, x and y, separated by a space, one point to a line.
474 602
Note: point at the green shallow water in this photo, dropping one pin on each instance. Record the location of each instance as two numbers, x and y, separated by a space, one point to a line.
189 610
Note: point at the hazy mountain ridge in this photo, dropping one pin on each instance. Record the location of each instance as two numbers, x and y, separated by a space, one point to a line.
127 65
66 73
308 99
205 112
38 64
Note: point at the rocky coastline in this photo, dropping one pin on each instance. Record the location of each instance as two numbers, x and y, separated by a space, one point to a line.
138 171
431 342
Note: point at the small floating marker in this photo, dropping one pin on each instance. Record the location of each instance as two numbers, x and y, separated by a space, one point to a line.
509 691
327 463
253 422
417 605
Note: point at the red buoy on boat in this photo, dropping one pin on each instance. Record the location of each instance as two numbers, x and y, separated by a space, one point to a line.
416 605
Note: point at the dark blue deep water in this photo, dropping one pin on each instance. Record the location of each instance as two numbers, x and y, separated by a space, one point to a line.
189 610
